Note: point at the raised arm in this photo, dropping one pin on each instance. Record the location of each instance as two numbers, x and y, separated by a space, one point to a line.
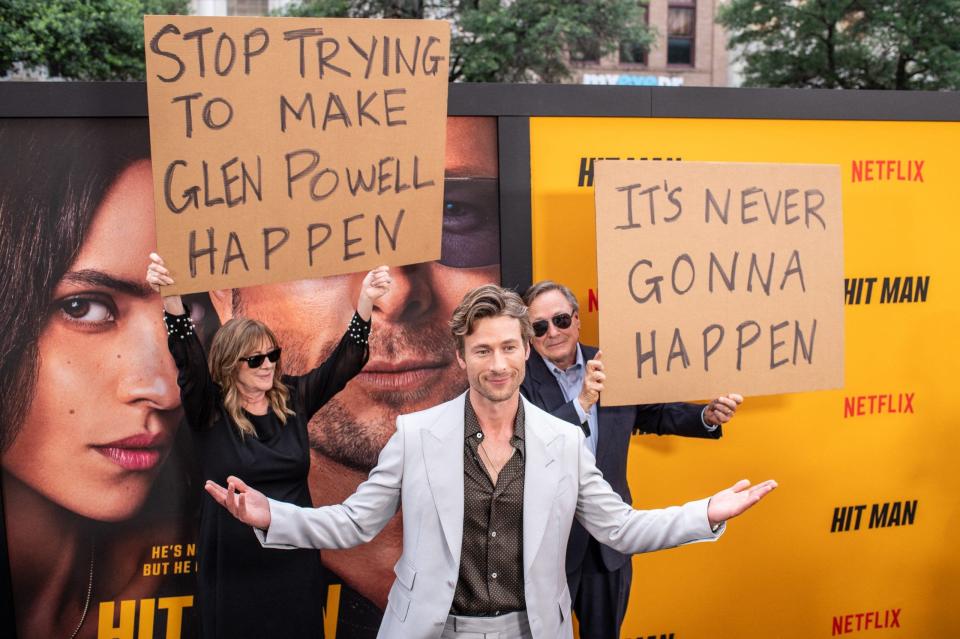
157 277
352 351
198 394
687 420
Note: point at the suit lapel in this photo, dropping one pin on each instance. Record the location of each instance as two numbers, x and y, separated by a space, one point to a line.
542 474
442 446
549 395
547 388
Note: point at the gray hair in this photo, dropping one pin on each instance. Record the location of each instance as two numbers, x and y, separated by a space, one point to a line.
545 286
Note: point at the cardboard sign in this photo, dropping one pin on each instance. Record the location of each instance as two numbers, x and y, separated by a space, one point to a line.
718 278
295 148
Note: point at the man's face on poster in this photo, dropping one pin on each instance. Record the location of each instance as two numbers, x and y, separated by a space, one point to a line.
412 363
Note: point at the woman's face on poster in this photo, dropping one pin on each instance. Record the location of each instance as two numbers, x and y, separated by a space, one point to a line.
106 404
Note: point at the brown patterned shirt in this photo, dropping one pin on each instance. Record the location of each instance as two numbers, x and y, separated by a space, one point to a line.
491 559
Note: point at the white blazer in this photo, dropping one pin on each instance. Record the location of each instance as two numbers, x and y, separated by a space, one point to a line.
421 469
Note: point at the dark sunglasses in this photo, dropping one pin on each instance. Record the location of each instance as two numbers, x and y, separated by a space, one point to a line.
560 320
255 361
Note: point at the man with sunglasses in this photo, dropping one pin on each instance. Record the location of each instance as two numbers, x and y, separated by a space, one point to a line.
565 378
412 364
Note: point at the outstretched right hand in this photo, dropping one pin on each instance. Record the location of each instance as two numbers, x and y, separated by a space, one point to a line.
246 504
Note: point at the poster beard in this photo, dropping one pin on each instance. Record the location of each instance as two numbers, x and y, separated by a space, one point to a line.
337 430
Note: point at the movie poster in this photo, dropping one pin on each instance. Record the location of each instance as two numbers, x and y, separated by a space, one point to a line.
100 489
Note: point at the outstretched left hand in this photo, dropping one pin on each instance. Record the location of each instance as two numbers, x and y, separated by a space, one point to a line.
375 285
733 501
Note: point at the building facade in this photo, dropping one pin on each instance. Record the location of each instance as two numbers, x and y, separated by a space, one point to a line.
235 7
690 49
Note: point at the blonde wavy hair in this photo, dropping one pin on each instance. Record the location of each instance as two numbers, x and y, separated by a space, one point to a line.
235 339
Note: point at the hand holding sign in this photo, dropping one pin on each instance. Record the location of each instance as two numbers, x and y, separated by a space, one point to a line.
158 276
593 379
375 285
721 410
157 273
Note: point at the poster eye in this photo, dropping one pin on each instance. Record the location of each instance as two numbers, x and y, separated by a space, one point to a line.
84 309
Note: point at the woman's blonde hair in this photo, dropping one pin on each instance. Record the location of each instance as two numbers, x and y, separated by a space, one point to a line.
235 339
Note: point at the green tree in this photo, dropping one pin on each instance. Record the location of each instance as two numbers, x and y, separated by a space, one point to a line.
849 44
79 39
508 41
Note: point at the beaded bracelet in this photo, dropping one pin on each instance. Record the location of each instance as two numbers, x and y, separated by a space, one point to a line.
358 329
178 325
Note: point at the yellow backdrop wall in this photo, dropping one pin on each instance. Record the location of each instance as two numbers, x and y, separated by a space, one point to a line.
857 539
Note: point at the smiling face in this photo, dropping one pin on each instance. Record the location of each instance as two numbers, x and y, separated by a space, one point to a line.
106 404
559 345
494 358
251 381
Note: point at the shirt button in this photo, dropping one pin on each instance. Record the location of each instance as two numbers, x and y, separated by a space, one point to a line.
493 534
479 435
494 575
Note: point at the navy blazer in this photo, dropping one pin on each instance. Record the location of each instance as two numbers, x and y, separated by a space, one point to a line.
616 425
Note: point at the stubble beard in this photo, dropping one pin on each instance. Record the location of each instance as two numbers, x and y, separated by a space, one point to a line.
496 396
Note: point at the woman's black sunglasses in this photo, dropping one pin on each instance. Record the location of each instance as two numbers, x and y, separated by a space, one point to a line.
560 320
255 361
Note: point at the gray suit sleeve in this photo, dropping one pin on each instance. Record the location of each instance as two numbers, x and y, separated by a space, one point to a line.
356 521
616 524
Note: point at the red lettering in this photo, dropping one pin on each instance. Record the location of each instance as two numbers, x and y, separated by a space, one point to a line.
908 406
837 626
860 410
849 406
866 621
593 303
900 170
856 175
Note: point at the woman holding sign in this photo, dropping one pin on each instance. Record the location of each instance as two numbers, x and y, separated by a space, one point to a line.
247 417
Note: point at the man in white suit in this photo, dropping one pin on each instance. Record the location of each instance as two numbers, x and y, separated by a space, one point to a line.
489 486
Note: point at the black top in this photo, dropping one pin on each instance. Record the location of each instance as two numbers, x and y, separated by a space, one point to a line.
490 582
245 590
